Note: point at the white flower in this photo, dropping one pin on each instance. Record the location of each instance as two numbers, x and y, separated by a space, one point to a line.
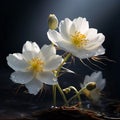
34 66
100 84
77 38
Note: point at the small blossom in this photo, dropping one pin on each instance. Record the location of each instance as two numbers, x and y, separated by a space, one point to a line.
34 66
95 77
77 38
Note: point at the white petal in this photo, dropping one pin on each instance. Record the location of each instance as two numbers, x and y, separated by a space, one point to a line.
48 51
91 34
47 78
94 44
28 55
72 29
83 54
64 28
34 86
68 47
99 51
78 22
21 77
96 76
27 46
80 53
31 46
81 85
81 24
65 45
35 47
53 62
87 79
30 50
84 26
101 84
16 62
54 36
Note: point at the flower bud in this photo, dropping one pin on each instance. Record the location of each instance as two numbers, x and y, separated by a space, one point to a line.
52 22
67 90
90 86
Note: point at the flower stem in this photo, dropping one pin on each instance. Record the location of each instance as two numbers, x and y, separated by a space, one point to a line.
62 94
76 91
65 59
57 86
77 94
54 95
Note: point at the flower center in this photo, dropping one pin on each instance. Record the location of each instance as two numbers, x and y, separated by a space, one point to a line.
79 40
36 65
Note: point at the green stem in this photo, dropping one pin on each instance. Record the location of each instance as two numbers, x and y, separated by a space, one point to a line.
59 88
62 94
65 59
76 95
54 95
76 91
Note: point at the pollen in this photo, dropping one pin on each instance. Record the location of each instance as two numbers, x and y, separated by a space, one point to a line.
79 40
36 65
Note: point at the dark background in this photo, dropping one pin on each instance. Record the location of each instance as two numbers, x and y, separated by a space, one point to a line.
22 20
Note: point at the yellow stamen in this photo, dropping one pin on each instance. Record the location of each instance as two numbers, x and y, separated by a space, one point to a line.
36 65
79 40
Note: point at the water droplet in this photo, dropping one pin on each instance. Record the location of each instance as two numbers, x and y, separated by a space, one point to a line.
54 107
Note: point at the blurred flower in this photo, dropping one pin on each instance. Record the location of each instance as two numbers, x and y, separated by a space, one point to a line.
34 66
77 38
96 77
52 22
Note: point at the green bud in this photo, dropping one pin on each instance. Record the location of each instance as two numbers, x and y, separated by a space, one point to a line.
90 86
52 22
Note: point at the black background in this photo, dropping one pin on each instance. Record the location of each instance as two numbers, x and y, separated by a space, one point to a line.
22 20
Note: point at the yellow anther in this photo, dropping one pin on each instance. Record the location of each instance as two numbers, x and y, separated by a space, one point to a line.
36 65
78 40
